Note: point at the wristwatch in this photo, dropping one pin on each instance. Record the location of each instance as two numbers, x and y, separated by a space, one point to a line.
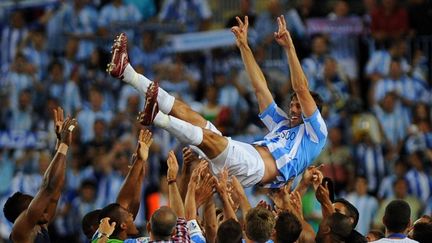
101 234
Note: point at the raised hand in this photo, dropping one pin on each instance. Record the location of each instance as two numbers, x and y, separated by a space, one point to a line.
105 227
66 131
205 186
282 36
280 196
58 120
222 185
312 176
322 194
241 31
144 142
264 204
189 157
296 204
173 167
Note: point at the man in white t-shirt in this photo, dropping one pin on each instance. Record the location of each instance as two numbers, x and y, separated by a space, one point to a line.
397 220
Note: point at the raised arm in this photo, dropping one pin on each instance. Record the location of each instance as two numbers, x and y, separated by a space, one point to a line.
190 203
130 193
259 83
322 194
311 176
308 233
175 200
58 125
244 202
190 160
222 188
48 194
210 221
298 78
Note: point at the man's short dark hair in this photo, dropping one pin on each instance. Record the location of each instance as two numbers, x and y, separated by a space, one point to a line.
422 232
163 222
351 210
89 183
91 219
15 205
113 212
260 223
229 231
317 98
288 228
397 216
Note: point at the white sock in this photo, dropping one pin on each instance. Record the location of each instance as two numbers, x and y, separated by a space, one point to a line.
141 83
183 131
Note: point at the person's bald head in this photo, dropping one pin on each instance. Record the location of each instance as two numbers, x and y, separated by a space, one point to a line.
162 223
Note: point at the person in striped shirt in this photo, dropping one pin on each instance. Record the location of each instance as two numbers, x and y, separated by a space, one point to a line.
294 140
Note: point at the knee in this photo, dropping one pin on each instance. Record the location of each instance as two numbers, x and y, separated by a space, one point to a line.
213 144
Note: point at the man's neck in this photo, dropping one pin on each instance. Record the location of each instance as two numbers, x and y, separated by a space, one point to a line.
395 235
158 238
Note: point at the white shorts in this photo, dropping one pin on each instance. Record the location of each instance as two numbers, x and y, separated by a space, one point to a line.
242 160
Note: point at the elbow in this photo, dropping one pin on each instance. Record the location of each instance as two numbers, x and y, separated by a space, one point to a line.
300 86
301 89
48 185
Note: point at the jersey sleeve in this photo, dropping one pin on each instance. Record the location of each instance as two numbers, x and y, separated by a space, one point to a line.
272 116
316 129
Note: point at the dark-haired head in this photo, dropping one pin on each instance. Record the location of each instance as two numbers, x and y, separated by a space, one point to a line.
15 205
422 232
90 223
123 219
288 228
317 98
295 111
344 207
397 216
335 228
229 231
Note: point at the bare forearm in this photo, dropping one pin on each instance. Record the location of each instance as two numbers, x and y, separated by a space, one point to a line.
244 204
54 176
210 220
175 200
130 192
327 209
301 188
190 208
298 78
184 180
257 78
227 209
308 234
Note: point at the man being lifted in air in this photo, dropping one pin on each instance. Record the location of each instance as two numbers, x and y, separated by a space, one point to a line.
294 140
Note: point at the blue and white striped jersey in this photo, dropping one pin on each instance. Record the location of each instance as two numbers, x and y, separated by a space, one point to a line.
380 61
293 148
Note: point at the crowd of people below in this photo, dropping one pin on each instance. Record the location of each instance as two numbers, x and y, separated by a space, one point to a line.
376 88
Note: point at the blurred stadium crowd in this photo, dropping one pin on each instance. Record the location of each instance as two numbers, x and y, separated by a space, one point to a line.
373 69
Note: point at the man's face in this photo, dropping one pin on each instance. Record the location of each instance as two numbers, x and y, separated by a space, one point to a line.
324 233
361 186
342 209
319 46
400 189
129 221
295 113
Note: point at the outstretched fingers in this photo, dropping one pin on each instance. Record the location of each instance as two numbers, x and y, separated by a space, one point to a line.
240 22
